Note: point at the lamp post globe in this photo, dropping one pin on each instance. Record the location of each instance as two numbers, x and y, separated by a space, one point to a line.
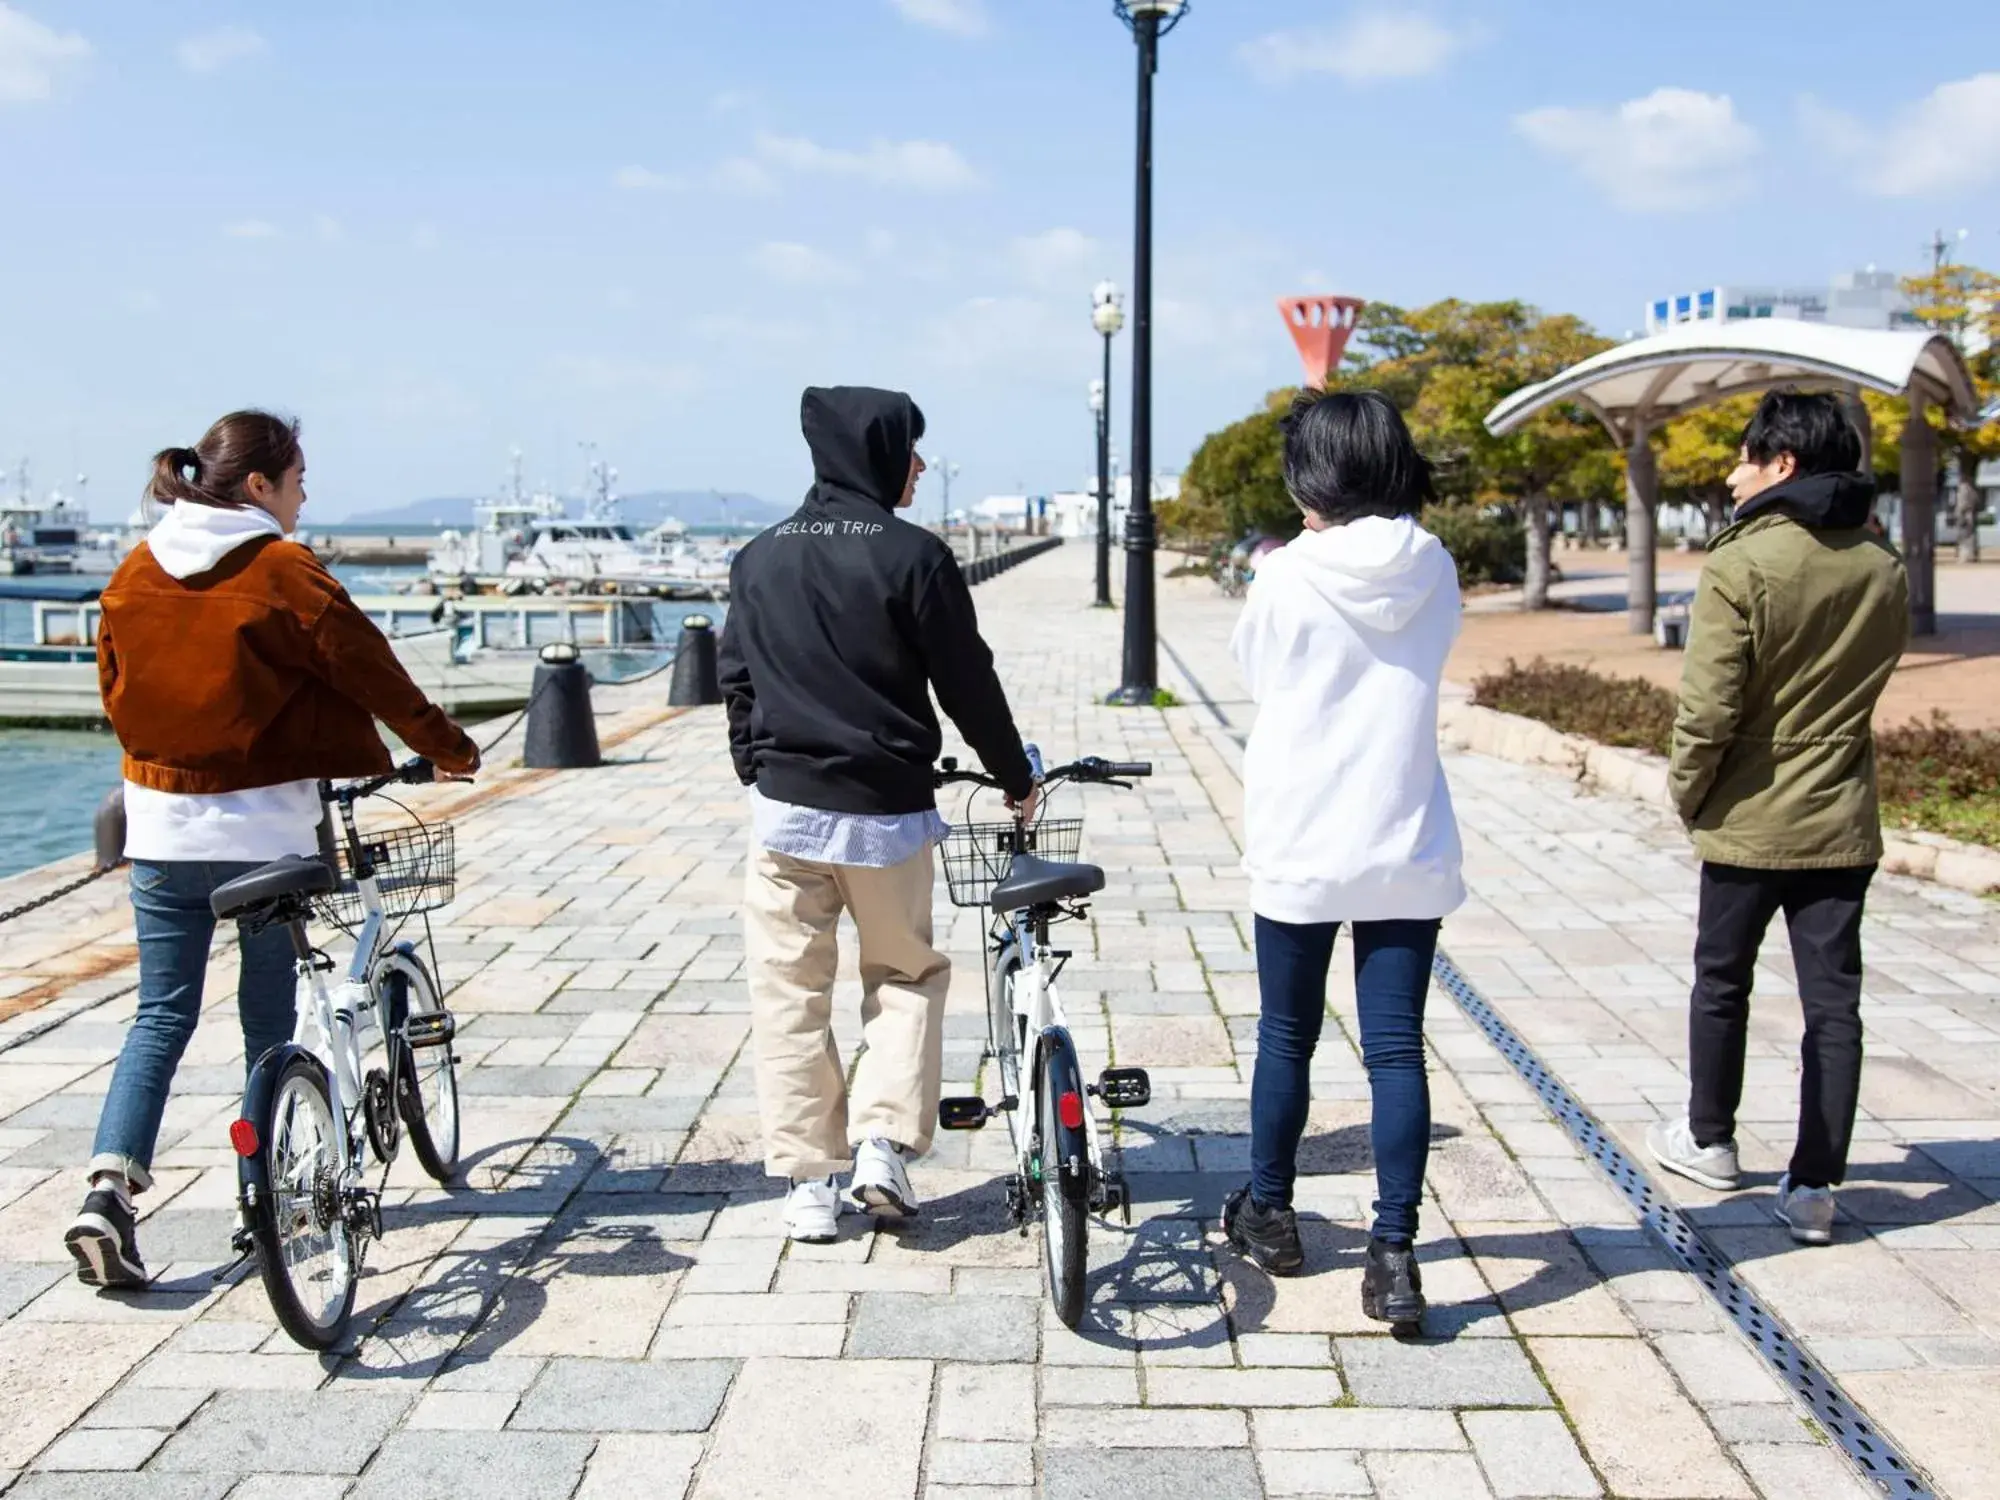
1149 20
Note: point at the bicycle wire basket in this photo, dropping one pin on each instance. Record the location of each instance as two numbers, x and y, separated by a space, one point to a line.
416 870
977 855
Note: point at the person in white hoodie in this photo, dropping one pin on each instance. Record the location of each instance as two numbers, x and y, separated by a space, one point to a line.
1347 815
236 673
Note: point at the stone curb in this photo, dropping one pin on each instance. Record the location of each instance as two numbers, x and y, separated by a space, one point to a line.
1638 774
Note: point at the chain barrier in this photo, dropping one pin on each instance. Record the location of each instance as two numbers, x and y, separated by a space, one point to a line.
55 895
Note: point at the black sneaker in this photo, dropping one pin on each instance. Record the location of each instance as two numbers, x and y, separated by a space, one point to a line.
1392 1287
105 1241
1269 1236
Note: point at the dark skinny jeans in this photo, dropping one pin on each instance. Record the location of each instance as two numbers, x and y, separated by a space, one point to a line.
1392 968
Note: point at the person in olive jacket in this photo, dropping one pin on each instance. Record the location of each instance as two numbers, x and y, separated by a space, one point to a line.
1800 616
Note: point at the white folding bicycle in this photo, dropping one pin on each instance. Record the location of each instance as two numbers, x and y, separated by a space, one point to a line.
1027 875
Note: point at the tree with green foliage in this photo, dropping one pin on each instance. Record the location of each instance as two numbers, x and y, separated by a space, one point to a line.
1964 303
1236 479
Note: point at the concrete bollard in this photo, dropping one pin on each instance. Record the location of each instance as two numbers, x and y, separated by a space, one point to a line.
695 680
562 730
108 828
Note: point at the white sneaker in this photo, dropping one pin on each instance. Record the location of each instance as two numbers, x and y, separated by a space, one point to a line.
812 1212
1671 1143
881 1183
1807 1211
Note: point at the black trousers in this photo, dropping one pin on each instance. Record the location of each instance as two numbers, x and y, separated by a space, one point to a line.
1823 911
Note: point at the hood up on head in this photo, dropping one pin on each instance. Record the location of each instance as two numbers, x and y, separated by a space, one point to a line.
191 537
1376 571
861 440
1820 502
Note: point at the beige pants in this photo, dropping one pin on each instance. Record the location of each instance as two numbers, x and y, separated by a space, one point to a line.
790 910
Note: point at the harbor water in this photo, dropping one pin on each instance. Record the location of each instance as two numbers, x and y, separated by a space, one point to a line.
54 779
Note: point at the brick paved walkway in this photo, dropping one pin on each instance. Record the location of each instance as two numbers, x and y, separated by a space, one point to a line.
607 1306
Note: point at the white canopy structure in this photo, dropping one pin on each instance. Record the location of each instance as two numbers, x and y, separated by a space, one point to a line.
1635 387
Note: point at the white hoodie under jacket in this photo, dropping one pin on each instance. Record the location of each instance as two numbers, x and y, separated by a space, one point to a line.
1343 643
258 824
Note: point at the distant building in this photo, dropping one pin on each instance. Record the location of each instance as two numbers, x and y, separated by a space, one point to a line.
1070 513
1856 299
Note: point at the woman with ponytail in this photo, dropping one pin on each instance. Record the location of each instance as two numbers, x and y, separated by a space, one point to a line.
237 674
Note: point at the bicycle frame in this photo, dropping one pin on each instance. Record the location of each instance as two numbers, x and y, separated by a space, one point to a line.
1037 1010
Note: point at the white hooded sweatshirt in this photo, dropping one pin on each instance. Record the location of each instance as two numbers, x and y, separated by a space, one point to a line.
257 825
1342 643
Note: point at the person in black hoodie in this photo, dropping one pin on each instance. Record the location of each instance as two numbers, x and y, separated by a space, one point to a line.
843 620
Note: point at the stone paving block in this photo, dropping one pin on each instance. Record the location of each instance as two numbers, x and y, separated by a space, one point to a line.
629 1464
1719 1367
1148 1473
21 1282
1303 1472
452 1465
1285 1350
956 1463
51 1373
469 1411
1170 1386
1467 1372
909 1325
137 1406
1637 1428
1529 1453
786 1416
1425 1476
284 1432
596 1395
145 1485
290 1487
986 1403
1947 1416
1089 1385
90 1448
289 1370
1793 1473
1351 1428
1141 1427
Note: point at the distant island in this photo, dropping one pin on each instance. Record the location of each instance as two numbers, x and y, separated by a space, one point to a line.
640 511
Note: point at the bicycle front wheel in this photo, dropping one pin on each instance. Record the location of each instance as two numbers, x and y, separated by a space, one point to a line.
306 1248
1065 1229
426 1074
1003 1026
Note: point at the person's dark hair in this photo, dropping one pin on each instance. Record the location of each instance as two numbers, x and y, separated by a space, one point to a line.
1808 425
1349 455
213 470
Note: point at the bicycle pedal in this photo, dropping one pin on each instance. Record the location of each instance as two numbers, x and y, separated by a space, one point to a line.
433 1028
1124 1088
245 1247
963 1113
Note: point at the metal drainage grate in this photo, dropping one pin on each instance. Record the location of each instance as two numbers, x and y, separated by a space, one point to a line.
1871 1451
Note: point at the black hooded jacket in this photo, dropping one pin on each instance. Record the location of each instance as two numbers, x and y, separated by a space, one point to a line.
1818 502
843 619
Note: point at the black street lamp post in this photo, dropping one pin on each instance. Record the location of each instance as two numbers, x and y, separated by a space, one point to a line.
1149 20
1107 315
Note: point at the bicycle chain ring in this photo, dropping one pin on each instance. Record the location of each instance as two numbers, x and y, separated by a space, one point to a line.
378 1108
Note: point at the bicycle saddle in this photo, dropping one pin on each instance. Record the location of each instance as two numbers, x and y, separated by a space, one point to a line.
294 875
1033 881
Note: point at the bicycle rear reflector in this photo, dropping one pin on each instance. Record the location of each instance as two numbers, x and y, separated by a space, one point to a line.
243 1136
1069 1109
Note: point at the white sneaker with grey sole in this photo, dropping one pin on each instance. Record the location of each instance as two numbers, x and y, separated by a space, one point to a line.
1806 1211
812 1212
1671 1143
881 1183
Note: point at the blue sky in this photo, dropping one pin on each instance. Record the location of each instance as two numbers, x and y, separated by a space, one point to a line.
436 231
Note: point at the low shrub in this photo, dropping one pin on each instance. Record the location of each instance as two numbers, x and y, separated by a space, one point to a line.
1488 547
1627 711
1934 775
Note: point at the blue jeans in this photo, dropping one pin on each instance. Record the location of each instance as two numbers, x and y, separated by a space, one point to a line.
1392 970
170 908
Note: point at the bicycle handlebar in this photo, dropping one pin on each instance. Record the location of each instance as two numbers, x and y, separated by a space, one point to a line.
1090 770
416 771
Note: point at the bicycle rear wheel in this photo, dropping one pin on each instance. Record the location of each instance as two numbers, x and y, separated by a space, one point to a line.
1003 1026
1065 1229
426 1074
306 1248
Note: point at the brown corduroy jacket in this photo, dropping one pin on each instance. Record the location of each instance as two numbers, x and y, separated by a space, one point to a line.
257 672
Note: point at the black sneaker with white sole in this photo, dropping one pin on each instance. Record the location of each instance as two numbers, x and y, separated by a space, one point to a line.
105 1241
1268 1236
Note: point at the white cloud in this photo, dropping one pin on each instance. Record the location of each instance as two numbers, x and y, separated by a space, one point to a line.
959 17
746 178
1367 45
1947 141
731 101
215 50
32 55
637 179
1672 151
1055 255
252 229
797 265
929 166
601 374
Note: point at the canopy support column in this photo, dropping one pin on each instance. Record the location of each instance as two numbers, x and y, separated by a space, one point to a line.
1920 516
1642 497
